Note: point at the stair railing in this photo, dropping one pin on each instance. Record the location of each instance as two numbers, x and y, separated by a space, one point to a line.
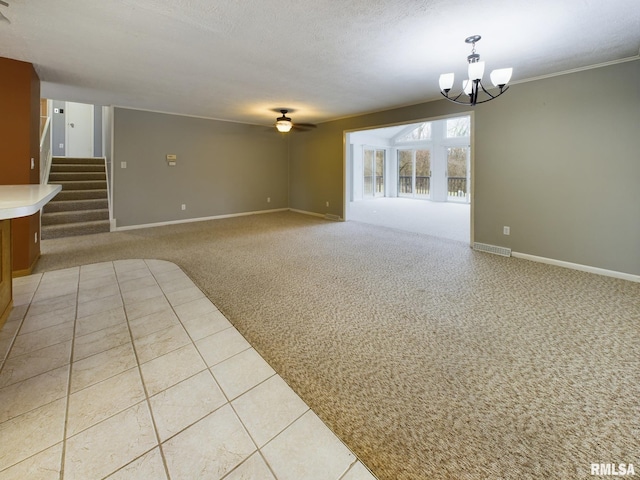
45 149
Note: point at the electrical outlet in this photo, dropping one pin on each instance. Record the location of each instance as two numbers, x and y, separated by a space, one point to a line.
327 204
61 145
268 199
123 164
184 206
506 230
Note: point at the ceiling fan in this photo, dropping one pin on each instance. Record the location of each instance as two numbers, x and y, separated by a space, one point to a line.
284 123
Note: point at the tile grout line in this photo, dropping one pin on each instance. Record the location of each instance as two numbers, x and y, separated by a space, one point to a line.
68 397
144 386
17 332
229 401
78 288
11 344
208 368
309 409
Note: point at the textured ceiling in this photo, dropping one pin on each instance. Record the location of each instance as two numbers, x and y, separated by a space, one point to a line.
324 59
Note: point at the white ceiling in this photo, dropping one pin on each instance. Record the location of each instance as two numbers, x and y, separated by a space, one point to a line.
324 59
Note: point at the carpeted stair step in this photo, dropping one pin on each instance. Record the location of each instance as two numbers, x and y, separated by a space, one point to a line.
58 218
76 167
84 161
80 194
82 207
83 185
70 205
73 229
55 177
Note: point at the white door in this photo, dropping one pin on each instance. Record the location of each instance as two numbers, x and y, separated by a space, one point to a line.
79 130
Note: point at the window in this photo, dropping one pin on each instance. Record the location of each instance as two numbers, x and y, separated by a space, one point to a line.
421 132
457 173
458 127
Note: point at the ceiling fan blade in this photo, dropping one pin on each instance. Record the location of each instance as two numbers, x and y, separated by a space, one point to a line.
304 126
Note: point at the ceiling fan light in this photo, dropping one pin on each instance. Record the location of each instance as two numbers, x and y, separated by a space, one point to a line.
476 70
501 76
283 123
446 81
284 126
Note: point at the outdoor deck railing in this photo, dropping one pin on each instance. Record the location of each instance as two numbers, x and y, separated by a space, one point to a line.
457 186
423 185
368 183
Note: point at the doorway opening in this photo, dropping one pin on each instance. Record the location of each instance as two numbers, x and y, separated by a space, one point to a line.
414 177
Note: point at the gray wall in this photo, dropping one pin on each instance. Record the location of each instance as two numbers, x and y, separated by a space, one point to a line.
107 115
97 131
222 168
555 159
58 123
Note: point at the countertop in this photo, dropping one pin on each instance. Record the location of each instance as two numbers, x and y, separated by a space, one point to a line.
24 200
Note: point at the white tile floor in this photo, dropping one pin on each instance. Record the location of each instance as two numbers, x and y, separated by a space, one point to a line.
125 370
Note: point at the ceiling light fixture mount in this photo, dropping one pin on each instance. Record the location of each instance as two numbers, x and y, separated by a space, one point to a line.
472 87
283 123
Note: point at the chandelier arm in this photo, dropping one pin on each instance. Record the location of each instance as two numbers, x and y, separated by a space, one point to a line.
485 91
471 103
455 99
492 96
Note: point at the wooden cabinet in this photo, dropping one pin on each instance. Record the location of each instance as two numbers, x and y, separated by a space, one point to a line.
20 152
16 202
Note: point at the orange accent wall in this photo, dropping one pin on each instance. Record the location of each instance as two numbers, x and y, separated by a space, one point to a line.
20 131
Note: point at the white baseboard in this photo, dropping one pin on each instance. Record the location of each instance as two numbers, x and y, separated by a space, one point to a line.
577 266
326 216
199 219
304 212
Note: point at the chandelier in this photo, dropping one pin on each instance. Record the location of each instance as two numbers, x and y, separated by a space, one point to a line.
472 87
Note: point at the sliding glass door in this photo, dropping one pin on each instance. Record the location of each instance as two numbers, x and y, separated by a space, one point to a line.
414 173
374 160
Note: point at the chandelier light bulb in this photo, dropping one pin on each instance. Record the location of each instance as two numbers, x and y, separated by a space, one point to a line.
501 76
467 86
446 81
476 70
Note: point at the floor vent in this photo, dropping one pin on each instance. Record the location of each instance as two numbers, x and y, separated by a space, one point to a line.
483 247
331 216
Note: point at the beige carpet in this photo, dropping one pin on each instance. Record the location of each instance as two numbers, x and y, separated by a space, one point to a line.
430 360
449 220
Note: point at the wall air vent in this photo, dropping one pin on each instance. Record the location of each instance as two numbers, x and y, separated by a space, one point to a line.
483 247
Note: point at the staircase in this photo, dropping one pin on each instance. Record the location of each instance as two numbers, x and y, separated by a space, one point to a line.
82 207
